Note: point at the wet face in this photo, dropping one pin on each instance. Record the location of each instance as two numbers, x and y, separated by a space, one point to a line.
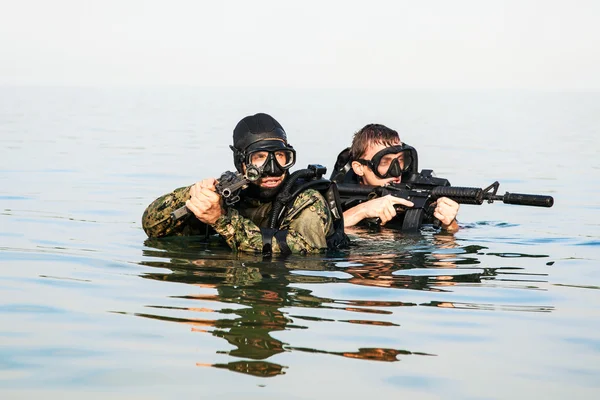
367 176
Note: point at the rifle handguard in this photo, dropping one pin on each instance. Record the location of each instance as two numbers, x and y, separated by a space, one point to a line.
462 195
467 195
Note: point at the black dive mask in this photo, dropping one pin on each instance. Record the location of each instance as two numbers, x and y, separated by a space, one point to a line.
269 164
271 157
392 162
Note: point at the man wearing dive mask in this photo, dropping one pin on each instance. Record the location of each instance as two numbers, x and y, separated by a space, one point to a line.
378 159
273 157
258 141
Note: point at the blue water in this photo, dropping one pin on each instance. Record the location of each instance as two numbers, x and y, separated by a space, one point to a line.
508 307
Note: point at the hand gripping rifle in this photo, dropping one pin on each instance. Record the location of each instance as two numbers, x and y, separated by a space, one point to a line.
228 186
423 189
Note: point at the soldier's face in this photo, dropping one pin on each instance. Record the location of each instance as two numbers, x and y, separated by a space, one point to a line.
368 176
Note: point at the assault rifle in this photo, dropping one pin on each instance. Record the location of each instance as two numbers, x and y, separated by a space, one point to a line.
228 186
423 189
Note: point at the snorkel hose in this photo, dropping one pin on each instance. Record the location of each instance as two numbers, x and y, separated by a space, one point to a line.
312 175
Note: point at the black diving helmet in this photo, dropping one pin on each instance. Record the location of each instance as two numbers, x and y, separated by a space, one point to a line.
392 162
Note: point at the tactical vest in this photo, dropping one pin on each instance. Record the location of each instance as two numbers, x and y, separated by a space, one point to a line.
337 238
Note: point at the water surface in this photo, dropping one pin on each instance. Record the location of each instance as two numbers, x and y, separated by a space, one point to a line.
505 308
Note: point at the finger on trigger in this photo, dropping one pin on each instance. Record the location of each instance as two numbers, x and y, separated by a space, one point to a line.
399 200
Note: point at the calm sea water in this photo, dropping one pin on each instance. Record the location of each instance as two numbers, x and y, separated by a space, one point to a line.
506 308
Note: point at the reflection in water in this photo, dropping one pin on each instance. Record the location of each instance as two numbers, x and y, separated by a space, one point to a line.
267 289
373 354
257 368
488 307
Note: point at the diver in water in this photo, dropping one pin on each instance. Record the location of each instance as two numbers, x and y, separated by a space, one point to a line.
377 157
308 226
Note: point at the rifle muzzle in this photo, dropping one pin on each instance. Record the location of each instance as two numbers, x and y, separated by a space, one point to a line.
521 199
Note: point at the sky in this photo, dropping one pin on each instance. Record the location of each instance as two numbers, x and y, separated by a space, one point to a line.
435 44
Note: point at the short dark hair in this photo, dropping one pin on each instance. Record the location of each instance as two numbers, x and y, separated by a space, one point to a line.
369 135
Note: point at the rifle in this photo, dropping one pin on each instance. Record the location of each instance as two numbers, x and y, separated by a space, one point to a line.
423 189
228 186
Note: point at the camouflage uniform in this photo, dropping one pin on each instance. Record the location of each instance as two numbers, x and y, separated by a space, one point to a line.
308 222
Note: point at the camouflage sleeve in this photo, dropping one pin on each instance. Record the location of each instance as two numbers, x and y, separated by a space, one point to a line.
156 220
241 234
308 222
